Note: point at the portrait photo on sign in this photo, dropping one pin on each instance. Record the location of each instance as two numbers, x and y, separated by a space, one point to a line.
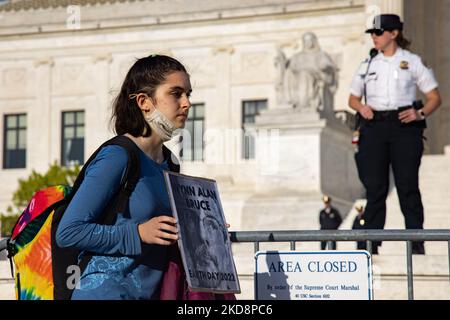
204 243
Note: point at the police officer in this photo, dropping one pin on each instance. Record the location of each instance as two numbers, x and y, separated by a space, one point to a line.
330 219
391 130
358 224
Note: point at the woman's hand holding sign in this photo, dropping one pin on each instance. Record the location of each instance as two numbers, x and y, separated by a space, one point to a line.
159 230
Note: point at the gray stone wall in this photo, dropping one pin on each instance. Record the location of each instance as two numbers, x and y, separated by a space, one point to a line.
426 23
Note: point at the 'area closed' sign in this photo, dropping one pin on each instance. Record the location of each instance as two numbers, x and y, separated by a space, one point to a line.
327 275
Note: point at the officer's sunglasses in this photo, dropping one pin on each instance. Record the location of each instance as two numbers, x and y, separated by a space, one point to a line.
377 32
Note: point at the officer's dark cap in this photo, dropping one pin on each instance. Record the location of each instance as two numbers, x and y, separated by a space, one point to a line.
387 22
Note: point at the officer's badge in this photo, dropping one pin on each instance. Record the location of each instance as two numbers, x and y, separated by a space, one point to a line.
404 65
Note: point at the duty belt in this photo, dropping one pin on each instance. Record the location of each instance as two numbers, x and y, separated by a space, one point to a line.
391 115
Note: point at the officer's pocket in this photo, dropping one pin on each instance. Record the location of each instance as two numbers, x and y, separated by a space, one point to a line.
371 84
405 79
415 136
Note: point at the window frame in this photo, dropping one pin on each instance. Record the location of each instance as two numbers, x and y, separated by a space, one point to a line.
245 152
17 130
75 126
192 118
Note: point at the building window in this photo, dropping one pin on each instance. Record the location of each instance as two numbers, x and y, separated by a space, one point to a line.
193 139
72 150
250 109
15 141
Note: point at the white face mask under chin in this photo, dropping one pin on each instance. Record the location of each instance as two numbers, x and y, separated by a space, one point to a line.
161 125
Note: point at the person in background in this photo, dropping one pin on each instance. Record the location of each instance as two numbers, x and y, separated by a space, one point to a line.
392 123
358 224
329 219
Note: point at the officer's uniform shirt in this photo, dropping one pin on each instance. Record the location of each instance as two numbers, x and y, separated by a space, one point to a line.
330 219
359 222
391 81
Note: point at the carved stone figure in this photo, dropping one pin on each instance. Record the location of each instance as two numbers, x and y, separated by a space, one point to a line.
309 78
280 65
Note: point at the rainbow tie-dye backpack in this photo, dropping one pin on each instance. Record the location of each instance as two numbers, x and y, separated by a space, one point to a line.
42 269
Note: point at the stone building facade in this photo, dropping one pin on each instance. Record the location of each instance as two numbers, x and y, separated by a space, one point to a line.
62 62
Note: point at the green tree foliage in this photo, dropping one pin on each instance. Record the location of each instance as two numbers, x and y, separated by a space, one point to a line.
7 222
27 187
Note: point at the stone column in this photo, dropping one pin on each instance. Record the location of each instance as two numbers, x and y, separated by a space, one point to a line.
97 119
394 6
425 25
39 118
218 151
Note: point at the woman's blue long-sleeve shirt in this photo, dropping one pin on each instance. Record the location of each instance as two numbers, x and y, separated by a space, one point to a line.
121 276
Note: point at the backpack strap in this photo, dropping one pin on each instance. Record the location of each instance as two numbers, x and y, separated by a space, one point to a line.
133 166
129 179
126 188
128 182
127 185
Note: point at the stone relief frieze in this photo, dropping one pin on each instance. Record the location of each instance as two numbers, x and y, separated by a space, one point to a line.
16 82
73 79
14 76
201 69
252 67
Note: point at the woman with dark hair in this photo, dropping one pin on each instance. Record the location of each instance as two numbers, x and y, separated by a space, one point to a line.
402 42
391 131
152 103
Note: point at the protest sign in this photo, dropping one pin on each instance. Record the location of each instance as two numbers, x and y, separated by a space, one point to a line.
204 243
